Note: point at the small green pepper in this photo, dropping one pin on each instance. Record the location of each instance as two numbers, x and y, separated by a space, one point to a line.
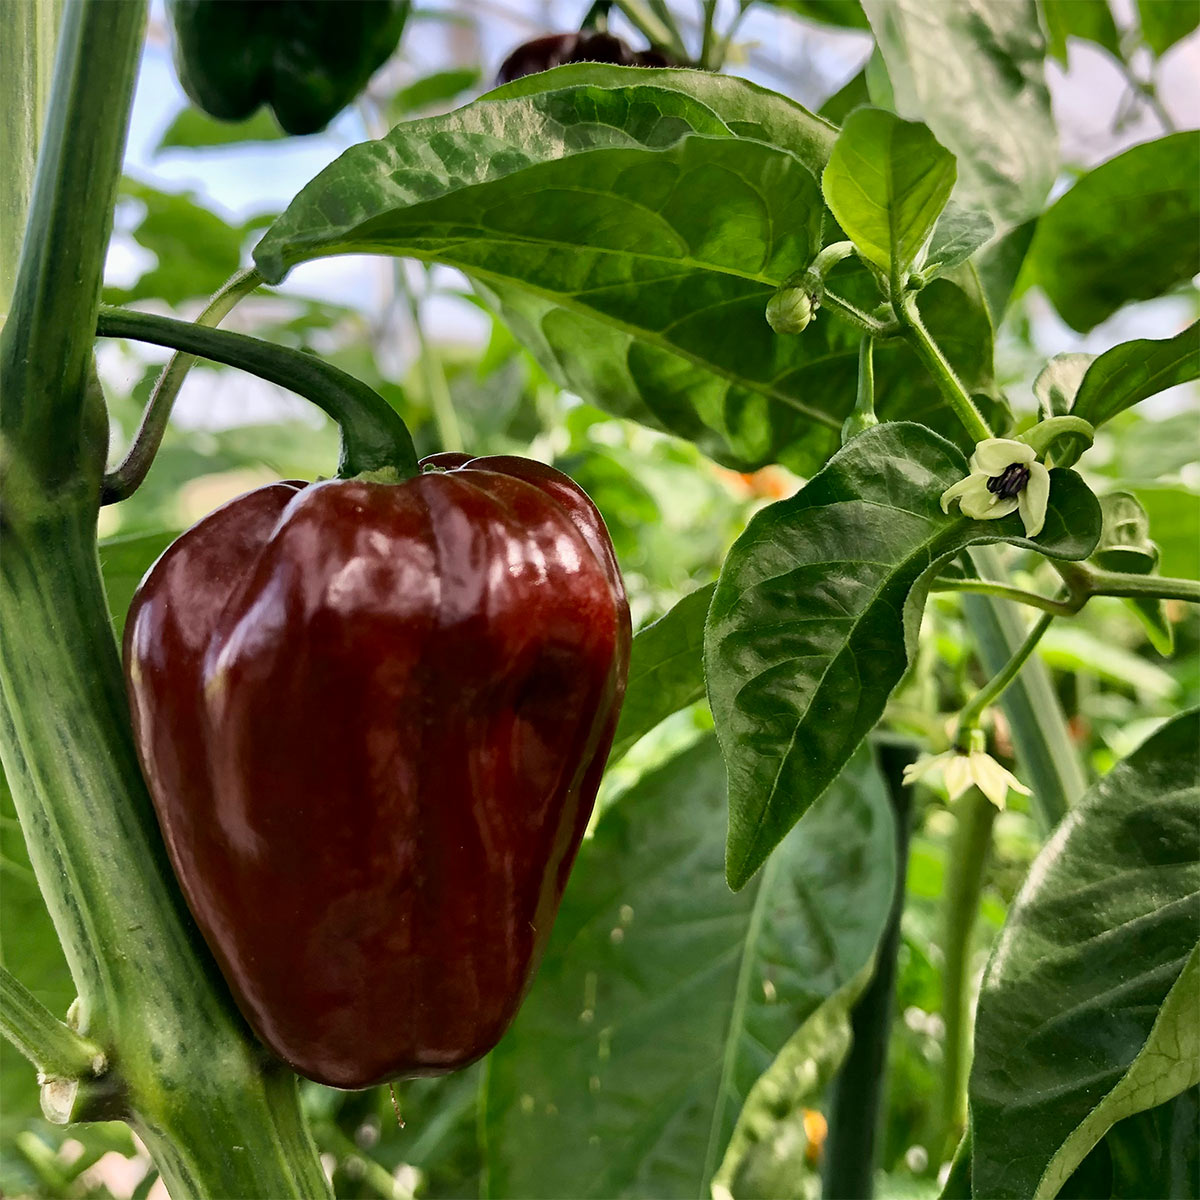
305 59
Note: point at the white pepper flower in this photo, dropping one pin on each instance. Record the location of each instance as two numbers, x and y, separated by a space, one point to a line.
1005 477
960 770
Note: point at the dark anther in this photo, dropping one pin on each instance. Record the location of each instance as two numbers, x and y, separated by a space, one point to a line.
1009 482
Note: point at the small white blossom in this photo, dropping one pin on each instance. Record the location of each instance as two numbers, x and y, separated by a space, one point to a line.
1005 477
960 771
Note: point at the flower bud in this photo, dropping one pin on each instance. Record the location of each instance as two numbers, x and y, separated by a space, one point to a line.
790 310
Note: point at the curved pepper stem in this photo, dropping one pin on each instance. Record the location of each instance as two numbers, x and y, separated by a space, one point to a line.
374 438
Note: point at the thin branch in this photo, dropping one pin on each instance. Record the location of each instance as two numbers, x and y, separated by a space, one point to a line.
50 1044
1061 608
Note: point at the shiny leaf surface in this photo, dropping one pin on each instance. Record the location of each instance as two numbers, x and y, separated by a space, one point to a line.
1087 1010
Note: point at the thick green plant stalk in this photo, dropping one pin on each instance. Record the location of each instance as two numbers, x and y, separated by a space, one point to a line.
218 1119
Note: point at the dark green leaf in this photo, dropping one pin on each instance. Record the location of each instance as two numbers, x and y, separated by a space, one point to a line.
123 562
663 996
1133 371
1090 20
851 95
666 670
887 182
1165 22
974 74
196 130
1125 545
999 267
1087 1012
816 612
1129 230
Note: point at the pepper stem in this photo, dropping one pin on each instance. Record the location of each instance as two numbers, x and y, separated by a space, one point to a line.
374 438
52 1046
123 480
991 691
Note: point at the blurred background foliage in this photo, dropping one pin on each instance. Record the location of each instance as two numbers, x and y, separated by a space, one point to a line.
197 196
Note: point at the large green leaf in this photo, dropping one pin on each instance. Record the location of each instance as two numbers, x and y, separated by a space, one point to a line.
816 613
974 74
1088 1007
632 235
845 14
1165 22
663 996
1128 230
887 182
666 670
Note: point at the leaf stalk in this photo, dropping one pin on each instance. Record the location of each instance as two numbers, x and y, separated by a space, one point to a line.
53 1047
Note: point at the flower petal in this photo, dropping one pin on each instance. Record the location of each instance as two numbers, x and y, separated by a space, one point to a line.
988 777
924 765
984 506
1033 499
957 774
965 484
992 455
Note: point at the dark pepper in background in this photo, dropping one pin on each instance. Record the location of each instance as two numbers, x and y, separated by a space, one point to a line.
305 59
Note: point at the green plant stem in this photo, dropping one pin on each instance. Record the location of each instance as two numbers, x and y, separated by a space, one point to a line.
657 32
1085 582
708 40
943 374
852 315
965 867
50 1044
863 417
968 718
987 587
50 416
374 438
440 400
123 480
1035 716
855 1109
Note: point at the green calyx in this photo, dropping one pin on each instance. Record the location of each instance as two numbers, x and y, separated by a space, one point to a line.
1045 433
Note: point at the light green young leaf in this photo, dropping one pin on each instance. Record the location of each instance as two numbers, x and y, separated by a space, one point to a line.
666 670
769 1152
196 130
974 73
1091 988
887 182
1058 382
663 996
1128 230
816 613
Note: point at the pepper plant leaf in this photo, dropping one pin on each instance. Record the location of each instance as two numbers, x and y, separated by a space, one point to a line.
1093 988
1165 22
975 74
632 236
666 670
957 235
1125 545
1128 230
663 996
1133 371
1087 20
816 612
887 182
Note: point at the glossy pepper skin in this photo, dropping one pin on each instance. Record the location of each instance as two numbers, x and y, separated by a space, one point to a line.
373 719
555 49
306 59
